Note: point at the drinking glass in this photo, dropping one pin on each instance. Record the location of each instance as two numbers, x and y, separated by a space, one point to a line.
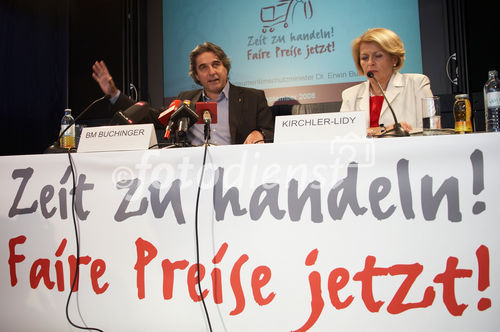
431 115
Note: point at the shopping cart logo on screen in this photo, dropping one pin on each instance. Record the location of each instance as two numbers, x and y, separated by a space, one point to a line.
282 12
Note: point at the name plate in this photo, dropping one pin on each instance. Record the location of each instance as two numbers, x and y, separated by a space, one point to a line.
117 138
319 126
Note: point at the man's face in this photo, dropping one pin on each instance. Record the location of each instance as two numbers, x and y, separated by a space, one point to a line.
211 73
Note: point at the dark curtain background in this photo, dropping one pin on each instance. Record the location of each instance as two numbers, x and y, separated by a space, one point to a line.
33 73
46 53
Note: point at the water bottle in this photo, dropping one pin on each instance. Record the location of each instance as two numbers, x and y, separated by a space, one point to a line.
492 101
68 138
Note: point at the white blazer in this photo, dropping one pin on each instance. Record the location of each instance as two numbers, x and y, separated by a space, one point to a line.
404 92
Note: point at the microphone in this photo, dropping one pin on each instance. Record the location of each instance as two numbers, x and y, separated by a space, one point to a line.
185 117
122 118
140 112
207 112
207 117
165 117
206 107
105 97
397 129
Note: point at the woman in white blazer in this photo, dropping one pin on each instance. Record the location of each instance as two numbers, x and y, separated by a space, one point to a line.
382 52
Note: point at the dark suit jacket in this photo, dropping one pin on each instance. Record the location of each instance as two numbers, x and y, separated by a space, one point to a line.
248 111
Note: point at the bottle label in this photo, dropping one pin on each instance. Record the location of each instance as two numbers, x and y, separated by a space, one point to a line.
462 127
493 99
68 138
68 142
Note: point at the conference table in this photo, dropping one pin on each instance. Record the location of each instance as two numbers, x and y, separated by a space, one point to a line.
394 234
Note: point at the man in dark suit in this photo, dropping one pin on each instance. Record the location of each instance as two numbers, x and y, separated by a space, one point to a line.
243 114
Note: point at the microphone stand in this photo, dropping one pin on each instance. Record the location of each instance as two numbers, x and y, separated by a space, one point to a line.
397 130
207 119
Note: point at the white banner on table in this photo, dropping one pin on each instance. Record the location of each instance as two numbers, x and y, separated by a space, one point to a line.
390 235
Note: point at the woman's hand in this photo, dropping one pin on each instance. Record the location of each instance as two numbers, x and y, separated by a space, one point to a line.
405 125
377 131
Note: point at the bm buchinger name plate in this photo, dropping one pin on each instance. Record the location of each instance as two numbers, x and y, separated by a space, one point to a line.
117 138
